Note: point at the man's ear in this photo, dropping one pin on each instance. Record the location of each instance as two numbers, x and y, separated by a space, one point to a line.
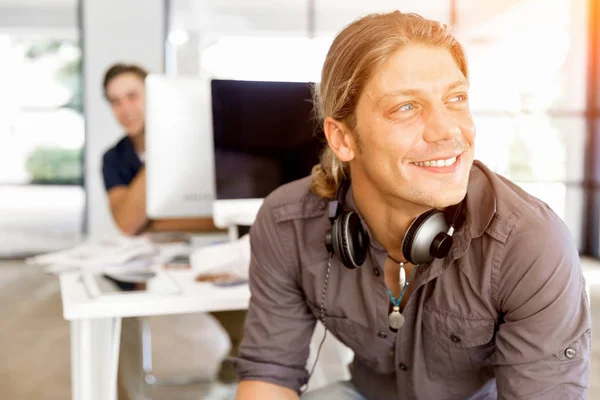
339 139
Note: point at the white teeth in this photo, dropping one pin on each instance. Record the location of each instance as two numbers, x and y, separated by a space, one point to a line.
450 161
436 163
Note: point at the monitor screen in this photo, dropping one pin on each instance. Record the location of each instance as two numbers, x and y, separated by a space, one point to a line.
265 135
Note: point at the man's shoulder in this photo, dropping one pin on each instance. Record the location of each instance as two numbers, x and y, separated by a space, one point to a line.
118 150
514 205
294 200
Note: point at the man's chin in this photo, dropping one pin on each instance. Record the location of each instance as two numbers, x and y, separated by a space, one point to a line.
457 198
447 199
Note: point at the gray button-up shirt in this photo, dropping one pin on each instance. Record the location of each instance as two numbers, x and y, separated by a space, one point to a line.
504 315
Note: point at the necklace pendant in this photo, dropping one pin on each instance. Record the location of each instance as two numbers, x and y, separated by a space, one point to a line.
402 276
396 319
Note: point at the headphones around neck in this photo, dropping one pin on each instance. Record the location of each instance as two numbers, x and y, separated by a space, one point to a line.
429 236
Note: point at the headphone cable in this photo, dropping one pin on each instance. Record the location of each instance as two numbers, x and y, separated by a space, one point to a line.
322 318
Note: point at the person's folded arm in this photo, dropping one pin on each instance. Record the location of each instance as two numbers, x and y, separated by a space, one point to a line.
279 325
543 341
127 199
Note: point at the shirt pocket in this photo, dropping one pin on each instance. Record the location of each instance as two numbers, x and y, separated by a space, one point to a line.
458 351
341 327
376 354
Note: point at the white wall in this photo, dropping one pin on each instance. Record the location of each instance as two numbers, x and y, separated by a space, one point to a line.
113 31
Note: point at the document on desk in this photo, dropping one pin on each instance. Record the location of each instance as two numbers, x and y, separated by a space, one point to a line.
231 258
101 255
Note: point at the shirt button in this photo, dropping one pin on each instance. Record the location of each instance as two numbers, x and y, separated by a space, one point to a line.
455 338
403 367
376 271
382 335
570 353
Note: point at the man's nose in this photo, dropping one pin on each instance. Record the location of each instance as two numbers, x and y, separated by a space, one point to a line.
127 107
440 125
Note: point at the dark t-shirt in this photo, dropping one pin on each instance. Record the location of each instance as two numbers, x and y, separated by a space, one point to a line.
120 164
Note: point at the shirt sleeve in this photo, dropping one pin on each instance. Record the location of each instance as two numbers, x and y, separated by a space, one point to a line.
543 347
279 325
110 171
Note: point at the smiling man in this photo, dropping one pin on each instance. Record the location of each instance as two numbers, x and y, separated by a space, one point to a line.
445 279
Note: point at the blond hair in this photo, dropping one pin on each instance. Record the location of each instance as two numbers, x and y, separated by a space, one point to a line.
354 55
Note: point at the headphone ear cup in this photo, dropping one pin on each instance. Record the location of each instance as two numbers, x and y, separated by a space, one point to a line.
358 240
441 245
350 240
409 237
337 239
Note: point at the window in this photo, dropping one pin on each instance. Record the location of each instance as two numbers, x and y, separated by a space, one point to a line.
528 96
42 128
42 135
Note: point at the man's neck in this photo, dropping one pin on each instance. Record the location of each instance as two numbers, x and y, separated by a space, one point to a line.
139 142
388 219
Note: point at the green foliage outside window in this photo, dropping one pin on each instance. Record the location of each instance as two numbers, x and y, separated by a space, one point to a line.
56 166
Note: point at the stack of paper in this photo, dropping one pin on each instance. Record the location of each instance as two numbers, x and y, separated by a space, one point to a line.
106 255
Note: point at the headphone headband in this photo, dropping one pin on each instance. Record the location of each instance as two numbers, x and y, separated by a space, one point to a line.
342 189
335 206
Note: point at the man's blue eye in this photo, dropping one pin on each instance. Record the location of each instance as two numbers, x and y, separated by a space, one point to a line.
406 107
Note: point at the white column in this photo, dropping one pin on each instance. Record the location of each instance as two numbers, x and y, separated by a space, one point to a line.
132 31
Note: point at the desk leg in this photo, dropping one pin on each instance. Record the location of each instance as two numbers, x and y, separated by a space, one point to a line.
95 358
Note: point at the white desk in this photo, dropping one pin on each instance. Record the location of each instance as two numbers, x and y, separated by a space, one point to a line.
96 324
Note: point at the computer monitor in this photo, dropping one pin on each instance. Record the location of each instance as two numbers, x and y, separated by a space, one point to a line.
180 178
265 135
218 147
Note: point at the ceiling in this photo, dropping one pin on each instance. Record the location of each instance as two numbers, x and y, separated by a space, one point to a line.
272 17
290 16
39 3
232 17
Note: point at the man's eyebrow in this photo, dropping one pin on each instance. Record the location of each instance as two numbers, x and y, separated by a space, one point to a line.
457 83
129 93
413 92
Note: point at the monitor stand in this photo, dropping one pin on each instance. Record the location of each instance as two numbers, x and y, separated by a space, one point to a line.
236 215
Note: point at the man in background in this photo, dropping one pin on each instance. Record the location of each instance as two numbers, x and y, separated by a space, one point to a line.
125 182
123 165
